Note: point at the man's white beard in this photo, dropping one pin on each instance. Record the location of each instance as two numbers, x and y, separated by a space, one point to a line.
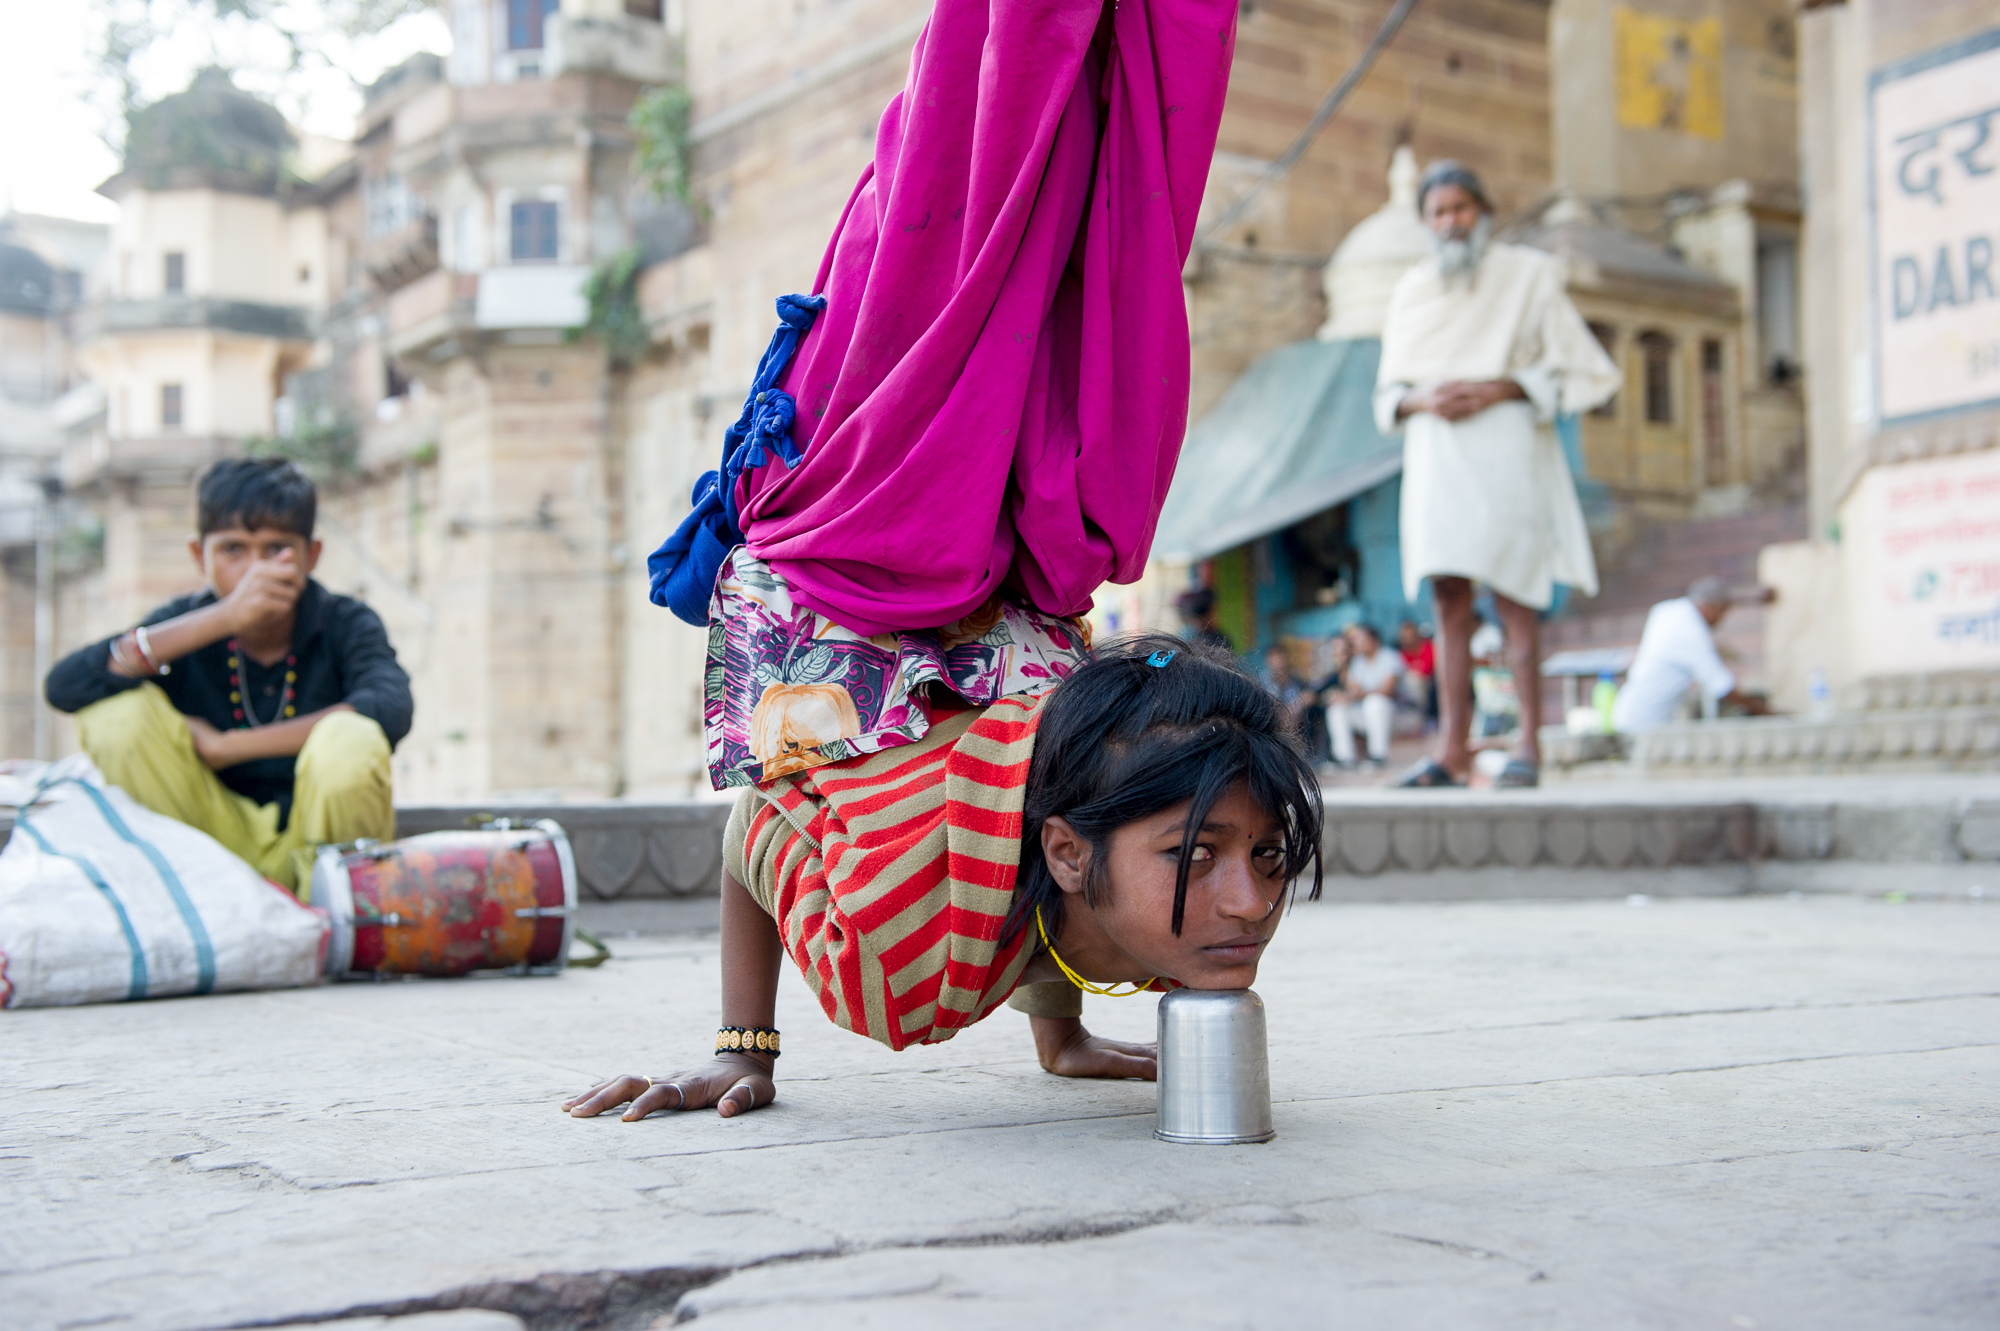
1461 257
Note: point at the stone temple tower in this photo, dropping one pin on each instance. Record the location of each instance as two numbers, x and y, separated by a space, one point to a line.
1380 249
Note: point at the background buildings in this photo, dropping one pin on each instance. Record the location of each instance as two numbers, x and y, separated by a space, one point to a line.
397 311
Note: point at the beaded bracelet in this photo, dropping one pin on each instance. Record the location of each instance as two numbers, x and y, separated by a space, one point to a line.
747 1040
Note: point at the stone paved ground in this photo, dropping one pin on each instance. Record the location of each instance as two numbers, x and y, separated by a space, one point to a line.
1753 1112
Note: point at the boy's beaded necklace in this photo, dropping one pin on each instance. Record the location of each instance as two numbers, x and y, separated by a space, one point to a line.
239 690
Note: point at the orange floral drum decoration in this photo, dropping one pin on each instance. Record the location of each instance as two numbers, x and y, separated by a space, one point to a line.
448 903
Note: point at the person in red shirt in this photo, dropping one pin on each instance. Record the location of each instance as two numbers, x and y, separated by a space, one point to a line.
1420 666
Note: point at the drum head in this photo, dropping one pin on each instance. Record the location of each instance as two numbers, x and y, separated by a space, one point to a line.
556 835
333 892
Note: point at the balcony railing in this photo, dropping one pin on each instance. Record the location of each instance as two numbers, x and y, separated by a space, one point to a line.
400 257
256 319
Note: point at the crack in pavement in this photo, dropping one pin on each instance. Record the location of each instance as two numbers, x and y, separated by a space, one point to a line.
1535 1273
634 1300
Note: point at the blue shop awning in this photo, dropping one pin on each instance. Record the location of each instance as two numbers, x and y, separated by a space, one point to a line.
1293 436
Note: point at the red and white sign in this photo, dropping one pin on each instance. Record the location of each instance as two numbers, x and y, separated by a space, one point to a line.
1922 550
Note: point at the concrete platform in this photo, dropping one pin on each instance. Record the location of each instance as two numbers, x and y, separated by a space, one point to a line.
1753 1112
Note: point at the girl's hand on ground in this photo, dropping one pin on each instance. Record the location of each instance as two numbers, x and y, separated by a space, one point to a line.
733 1083
1078 1053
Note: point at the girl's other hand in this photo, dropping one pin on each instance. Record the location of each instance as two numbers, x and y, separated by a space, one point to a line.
733 1083
1064 1047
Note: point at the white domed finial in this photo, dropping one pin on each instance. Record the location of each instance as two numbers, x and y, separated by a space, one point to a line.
1403 179
1379 250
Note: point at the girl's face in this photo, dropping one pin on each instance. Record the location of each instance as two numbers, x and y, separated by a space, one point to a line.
1235 887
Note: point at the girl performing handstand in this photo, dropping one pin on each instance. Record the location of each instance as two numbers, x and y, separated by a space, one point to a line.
978 414
1137 824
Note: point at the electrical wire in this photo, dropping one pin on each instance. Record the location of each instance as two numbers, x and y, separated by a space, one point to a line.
1328 105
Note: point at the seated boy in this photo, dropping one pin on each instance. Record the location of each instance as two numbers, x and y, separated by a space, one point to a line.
262 709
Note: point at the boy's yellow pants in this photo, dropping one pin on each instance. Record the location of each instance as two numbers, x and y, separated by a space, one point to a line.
340 792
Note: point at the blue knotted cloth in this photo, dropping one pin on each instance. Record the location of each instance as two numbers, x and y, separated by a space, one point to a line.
683 570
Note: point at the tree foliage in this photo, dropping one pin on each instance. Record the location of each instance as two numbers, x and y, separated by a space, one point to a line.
662 158
308 32
615 318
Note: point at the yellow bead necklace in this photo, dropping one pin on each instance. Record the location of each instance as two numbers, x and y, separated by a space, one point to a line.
1078 980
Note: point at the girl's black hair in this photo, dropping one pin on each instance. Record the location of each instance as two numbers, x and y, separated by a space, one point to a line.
1146 723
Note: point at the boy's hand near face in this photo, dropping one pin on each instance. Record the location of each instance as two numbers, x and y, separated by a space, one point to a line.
267 592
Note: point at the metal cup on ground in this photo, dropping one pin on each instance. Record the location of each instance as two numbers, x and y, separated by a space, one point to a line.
1215 1072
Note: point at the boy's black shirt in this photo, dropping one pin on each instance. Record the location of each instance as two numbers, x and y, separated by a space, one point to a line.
343 653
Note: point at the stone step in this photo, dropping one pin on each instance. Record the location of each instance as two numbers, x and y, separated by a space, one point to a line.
1664 825
1884 742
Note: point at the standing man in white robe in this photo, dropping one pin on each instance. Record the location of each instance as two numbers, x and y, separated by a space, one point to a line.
1481 350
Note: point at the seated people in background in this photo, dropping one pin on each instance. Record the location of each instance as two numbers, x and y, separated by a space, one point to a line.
1488 644
262 709
1366 702
1496 706
1197 612
1677 649
1292 695
1319 740
1419 667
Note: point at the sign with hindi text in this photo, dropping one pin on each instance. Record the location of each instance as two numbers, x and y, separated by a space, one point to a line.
1922 547
1935 128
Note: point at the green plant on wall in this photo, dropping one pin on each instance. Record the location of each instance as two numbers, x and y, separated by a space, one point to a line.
327 446
615 321
661 158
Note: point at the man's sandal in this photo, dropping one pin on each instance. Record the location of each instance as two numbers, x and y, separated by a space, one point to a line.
1429 774
1518 774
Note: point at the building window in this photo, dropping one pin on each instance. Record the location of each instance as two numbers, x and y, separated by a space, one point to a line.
1714 439
170 406
534 227
1778 307
524 23
175 278
649 9
387 202
1657 351
1607 337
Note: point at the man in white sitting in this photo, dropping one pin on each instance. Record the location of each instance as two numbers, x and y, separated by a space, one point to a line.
1366 702
1677 649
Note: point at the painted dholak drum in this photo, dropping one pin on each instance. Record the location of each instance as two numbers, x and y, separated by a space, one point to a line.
446 903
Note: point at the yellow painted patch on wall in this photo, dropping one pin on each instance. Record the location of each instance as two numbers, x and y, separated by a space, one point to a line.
1669 73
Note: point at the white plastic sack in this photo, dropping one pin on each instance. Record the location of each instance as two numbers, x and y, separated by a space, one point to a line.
102 899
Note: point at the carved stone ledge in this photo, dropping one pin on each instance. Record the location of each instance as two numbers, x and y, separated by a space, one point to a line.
624 850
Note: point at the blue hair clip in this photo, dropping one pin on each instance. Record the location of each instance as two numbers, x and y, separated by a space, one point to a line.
1158 659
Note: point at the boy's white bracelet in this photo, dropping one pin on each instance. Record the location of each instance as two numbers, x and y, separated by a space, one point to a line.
146 651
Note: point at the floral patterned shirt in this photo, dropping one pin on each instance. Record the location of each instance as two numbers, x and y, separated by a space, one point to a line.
788 689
